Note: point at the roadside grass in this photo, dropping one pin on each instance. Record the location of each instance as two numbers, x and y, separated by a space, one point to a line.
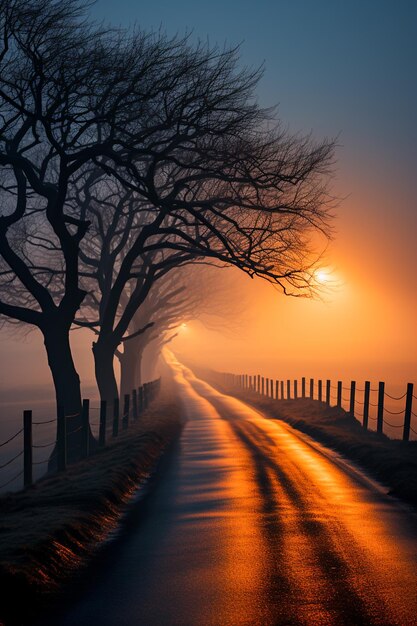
49 531
392 462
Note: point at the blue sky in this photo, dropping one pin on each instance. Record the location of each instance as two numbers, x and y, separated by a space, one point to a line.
333 66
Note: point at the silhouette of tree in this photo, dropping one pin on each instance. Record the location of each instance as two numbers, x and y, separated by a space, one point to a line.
70 96
189 293
271 244
178 129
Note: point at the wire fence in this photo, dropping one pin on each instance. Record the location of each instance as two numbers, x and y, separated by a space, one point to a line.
77 435
332 394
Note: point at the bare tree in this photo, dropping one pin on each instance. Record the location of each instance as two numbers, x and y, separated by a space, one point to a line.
188 293
70 95
119 217
178 128
270 243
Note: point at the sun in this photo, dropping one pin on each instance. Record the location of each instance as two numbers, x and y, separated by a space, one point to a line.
326 280
322 276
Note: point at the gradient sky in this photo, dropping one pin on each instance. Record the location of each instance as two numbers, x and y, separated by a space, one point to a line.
335 68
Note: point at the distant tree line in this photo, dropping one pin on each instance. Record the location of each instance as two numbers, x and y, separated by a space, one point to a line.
125 158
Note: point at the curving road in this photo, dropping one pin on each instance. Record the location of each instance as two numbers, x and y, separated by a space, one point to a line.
256 524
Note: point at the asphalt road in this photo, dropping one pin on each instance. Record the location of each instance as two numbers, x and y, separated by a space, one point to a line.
256 524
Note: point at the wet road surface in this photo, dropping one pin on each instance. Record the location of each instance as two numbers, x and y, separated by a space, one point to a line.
256 524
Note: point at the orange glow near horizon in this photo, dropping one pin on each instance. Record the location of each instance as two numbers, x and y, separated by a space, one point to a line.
362 325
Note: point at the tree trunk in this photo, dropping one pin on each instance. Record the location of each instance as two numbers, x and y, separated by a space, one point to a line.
67 391
128 365
140 349
152 362
138 368
104 368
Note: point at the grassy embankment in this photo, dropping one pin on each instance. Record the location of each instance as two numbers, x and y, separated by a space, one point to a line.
392 462
51 530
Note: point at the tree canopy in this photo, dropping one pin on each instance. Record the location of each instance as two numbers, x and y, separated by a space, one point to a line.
127 153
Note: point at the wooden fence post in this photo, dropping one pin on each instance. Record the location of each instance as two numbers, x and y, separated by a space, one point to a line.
85 420
339 394
295 389
115 417
27 448
135 404
276 389
303 387
259 384
328 387
272 389
288 389
407 414
366 396
282 389
126 407
312 388
267 387
263 386
380 415
352 397
103 419
61 440
320 390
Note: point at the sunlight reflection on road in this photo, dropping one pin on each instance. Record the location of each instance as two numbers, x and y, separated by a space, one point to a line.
218 501
348 549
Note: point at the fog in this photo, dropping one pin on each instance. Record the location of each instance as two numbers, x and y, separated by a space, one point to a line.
355 330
